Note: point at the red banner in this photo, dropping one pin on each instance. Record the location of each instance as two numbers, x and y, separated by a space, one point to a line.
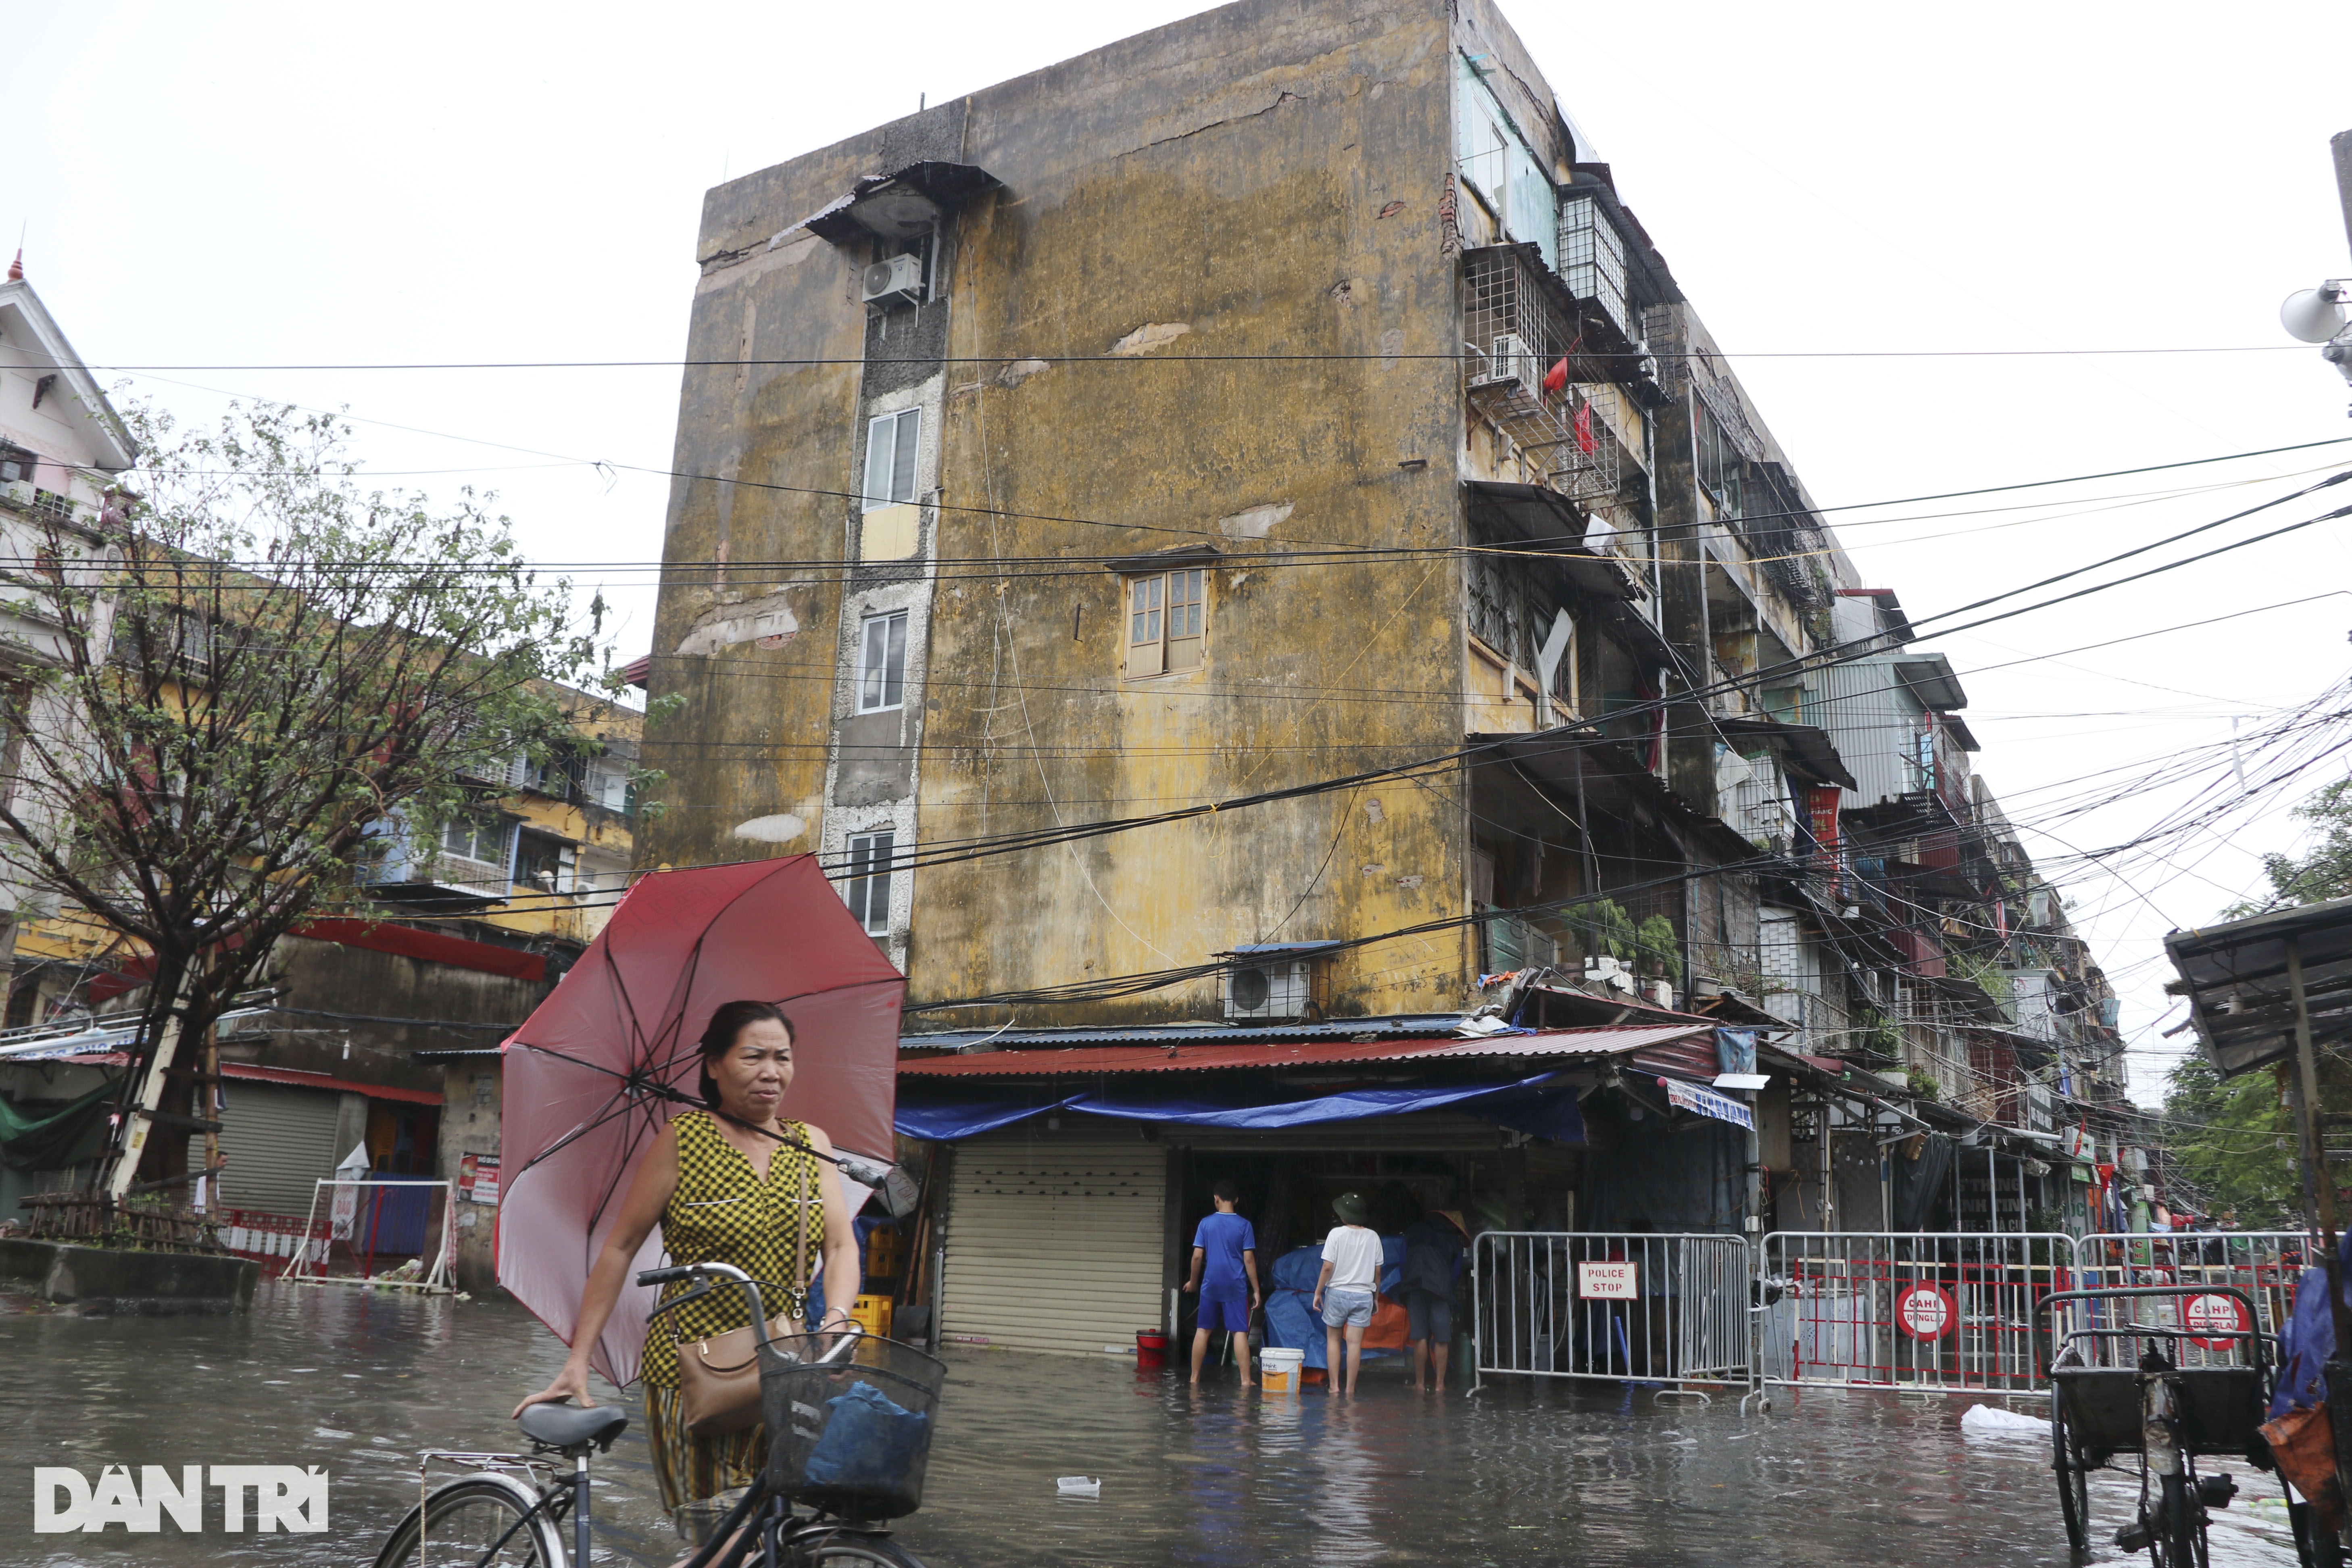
1821 817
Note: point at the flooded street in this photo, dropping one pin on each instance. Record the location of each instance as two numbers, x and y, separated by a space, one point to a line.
1603 1474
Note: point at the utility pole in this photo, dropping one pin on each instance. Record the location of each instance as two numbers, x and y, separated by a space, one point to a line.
2318 315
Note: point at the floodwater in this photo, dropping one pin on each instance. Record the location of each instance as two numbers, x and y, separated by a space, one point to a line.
1595 1474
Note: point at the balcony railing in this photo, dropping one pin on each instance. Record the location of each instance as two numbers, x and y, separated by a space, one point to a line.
1516 328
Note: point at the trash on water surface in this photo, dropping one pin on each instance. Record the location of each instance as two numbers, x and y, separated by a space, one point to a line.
1989 1421
1077 1486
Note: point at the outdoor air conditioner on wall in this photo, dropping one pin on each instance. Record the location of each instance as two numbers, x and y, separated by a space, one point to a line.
897 278
1269 988
1512 362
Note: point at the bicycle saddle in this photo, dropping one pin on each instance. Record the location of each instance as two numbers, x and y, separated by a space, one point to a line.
570 1427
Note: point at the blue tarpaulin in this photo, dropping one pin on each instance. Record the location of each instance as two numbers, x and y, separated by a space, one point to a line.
1290 1319
1525 1105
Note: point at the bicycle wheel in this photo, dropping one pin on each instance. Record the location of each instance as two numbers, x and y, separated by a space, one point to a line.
466 1519
841 1549
2176 1532
2073 1483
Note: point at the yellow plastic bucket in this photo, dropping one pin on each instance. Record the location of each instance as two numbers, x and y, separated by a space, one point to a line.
1278 1370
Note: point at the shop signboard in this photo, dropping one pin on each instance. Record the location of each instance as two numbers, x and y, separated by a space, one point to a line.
478 1179
1615 1280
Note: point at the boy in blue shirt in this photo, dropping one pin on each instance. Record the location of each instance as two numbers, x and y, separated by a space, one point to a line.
1225 1273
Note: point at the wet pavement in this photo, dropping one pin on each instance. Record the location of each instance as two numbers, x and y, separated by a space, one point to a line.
1590 1475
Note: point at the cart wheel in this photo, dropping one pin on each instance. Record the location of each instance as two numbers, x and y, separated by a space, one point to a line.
2074 1486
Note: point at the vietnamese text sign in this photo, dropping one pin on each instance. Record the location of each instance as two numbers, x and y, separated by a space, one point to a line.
1925 1311
1707 1102
1612 1281
485 1179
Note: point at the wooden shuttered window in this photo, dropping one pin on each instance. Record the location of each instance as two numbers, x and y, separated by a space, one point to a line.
1167 619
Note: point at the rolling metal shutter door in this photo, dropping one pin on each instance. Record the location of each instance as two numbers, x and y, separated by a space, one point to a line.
278 1142
1054 1241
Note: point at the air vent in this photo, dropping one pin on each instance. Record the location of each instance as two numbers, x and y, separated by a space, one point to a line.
898 277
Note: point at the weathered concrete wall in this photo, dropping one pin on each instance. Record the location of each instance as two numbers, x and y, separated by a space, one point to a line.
471 1100
1262 182
331 977
107 1280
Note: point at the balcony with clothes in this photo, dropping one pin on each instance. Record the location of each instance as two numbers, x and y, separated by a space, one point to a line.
1556 413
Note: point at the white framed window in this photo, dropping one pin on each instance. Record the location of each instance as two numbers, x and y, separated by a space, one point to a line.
891 443
882 662
1165 615
478 838
868 890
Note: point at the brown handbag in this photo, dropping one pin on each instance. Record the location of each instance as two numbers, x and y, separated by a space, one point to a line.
718 1377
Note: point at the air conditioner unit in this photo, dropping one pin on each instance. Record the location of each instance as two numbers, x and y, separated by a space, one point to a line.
1269 988
898 277
1512 364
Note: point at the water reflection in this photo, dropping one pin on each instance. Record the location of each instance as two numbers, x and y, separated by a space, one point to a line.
1589 1475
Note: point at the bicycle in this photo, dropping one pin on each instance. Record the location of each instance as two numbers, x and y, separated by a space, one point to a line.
494 1517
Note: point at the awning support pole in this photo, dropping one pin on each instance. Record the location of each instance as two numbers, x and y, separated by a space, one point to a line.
2323 1193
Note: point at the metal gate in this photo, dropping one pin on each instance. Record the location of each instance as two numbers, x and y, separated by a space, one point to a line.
1942 1314
1670 1308
2265 1264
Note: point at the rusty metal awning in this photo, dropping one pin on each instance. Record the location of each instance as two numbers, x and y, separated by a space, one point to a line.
1089 1061
1806 748
2238 979
1544 523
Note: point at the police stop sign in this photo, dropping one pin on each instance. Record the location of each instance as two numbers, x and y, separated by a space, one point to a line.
2224 1314
1925 1311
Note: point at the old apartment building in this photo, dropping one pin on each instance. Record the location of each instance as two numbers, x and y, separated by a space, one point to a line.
1282 396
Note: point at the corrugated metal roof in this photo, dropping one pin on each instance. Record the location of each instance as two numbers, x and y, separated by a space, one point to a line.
1087 1062
1414 1026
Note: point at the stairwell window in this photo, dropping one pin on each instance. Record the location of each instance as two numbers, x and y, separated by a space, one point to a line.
891 443
882 662
868 890
1166 615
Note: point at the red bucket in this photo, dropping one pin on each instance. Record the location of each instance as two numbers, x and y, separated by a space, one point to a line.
1150 1347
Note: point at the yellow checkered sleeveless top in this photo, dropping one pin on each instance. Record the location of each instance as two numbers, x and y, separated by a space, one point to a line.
724 1212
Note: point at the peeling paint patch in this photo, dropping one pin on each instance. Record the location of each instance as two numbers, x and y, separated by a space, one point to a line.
1020 369
781 828
1372 812
1149 336
1255 523
1391 209
1391 345
1409 881
1375 869
722 626
1343 292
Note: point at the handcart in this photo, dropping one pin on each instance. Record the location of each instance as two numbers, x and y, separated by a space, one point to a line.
2105 1401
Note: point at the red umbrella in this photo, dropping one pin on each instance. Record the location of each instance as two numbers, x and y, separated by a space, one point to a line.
610 1057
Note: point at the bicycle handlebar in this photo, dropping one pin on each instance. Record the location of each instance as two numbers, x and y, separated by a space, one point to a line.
663 1276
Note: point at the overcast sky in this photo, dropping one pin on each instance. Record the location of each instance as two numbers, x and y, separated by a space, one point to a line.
246 184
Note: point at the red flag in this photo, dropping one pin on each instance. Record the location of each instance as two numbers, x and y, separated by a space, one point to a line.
1584 429
1557 377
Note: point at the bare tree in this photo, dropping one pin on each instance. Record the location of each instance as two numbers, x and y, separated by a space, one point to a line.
231 689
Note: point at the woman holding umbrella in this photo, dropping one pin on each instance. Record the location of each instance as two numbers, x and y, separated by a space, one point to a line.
733 1184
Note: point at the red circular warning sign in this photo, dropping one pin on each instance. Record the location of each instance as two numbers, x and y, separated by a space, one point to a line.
1925 1311
2223 1313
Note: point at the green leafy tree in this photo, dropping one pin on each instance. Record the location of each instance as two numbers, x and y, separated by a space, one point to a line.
2322 873
232 689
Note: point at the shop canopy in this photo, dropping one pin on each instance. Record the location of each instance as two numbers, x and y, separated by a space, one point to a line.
1517 1080
2248 981
1536 1105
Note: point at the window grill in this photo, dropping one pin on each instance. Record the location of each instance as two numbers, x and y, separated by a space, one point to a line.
1514 332
1592 261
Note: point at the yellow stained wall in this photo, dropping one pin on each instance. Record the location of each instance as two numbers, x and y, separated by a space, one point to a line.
1261 180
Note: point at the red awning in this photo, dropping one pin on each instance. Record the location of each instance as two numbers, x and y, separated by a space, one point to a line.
319 1081
1174 1055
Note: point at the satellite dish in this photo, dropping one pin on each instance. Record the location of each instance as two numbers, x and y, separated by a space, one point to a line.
2312 315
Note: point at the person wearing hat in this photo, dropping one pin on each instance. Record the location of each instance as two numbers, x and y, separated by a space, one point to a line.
1432 1259
1344 1292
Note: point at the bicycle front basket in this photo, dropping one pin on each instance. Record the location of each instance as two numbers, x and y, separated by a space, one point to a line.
850 1436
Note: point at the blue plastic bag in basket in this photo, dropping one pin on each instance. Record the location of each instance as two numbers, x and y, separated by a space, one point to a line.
870 1442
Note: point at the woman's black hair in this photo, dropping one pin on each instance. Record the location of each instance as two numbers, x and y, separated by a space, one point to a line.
726 1026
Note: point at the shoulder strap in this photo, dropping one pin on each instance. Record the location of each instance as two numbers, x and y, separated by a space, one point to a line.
803 1163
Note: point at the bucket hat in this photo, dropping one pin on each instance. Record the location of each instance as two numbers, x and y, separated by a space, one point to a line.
1351 1207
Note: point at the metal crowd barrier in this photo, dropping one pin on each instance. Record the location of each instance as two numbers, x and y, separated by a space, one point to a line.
2265 1264
1927 1313
1667 1308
